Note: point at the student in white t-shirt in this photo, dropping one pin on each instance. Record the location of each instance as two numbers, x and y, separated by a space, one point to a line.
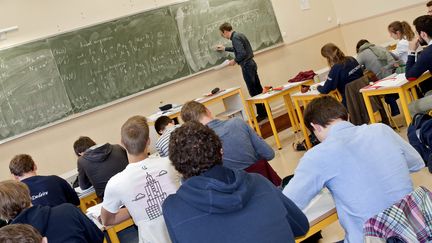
402 32
141 187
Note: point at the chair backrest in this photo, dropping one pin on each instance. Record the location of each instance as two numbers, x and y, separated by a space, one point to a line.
409 220
263 168
355 102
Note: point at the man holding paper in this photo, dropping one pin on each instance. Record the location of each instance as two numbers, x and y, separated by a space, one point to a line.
244 57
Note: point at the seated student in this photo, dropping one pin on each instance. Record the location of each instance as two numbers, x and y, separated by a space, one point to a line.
429 7
62 223
219 204
242 147
164 126
44 190
21 233
402 32
343 69
366 168
141 187
98 163
379 61
416 67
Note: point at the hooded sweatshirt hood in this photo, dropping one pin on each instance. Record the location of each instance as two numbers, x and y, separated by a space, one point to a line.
37 215
219 190
379 53
98 153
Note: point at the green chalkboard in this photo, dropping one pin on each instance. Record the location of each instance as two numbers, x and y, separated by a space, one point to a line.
199 20
50 79
116 59
31 91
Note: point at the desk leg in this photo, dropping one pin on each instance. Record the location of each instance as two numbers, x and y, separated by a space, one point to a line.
253 117
414 93
291 113
272 124
369 108
113 235
302 124
245 107
404 105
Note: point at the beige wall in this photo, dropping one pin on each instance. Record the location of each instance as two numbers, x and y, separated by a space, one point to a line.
306 31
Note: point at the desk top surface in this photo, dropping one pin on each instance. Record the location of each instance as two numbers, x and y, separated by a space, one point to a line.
393 81
176 109
277 92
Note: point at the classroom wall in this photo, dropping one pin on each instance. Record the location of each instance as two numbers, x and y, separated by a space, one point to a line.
305 31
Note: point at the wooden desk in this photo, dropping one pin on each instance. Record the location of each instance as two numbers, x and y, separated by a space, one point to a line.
274 95
232 99
321 212
114 229
403 89
88 200
306 98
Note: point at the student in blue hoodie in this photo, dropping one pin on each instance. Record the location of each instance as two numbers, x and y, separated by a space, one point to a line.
62 223
219 204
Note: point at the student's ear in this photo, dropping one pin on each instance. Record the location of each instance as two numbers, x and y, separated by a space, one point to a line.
221 151
44 240
35 167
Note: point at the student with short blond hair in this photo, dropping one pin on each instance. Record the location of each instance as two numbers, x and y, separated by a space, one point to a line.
44 190
61 223
141 187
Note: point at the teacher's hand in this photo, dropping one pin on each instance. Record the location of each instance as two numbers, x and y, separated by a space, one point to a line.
220 48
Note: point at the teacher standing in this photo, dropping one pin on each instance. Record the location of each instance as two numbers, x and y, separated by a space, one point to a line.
244 57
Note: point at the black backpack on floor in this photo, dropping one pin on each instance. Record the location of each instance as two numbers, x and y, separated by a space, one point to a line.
420 137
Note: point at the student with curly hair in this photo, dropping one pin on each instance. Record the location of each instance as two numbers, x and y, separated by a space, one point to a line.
219 204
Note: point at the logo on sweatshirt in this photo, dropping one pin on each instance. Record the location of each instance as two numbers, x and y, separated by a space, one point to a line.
41 194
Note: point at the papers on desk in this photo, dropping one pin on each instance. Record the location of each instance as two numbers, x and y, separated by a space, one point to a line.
320 204
392 81
82 193
94 213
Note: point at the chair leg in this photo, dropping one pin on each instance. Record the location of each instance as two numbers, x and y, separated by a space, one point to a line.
387 111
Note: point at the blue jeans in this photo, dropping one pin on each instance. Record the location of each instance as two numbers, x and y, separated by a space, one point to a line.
250 75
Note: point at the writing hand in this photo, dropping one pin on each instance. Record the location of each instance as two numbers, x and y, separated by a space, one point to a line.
414 44
232 63
220 48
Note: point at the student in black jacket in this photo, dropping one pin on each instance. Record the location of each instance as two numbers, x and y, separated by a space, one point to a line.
62 223
415 68
44 190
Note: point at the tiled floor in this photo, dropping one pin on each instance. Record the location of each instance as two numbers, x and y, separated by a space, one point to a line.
286 161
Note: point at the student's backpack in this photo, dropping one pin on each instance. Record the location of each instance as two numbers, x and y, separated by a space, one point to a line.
420 137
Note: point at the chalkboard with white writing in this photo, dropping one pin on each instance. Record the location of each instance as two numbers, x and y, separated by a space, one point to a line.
50 79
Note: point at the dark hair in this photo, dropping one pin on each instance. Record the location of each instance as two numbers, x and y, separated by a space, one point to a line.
333 54
82 144
14 198
360 43
161 123
403 27
424 23
19 233
225 27
194 148
429 4
135 135
21 164
323 110
193 111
